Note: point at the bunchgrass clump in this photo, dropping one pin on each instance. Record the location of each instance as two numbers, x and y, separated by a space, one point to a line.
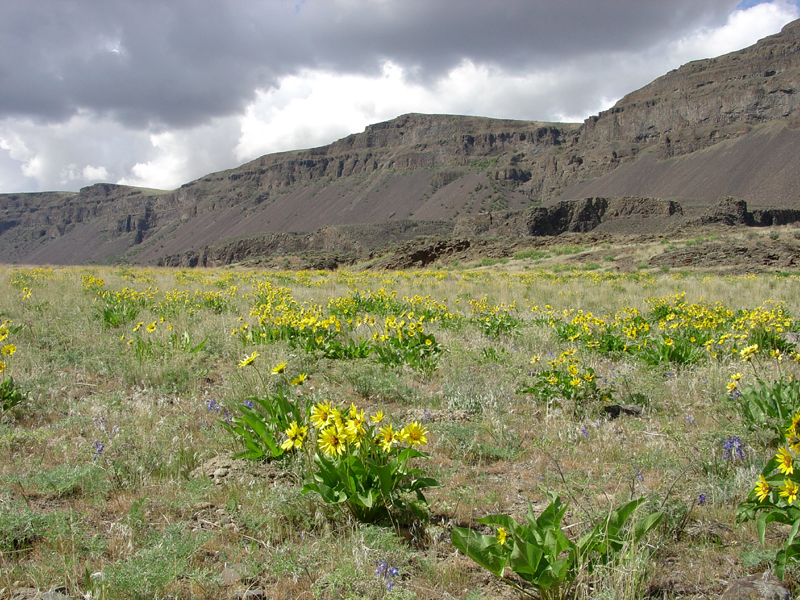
133 390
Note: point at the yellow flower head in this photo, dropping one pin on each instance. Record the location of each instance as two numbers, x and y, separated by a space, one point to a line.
279 368
414 434
355 426
8 349
331 442
762 488
796 420
501 535
791 430
386 437
789 490
295 435
299 379
668 342
377 417
747 353
322 414
2 366
785 461
736 376
151 327
248 360
731 386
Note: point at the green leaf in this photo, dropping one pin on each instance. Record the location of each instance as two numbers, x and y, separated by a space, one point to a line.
198 347
525 561
483 549
764 519
551 516
504 521
647 524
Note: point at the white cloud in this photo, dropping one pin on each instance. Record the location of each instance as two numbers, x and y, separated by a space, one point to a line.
179 156
744 27
313 107
91 173
316 107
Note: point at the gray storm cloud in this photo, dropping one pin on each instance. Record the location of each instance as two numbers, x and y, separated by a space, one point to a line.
158 92
179 63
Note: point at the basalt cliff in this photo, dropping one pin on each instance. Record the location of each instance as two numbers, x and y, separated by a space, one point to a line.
663 156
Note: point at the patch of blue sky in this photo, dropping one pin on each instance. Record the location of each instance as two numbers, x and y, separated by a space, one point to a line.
745 4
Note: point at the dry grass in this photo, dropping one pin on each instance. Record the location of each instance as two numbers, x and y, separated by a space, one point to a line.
135 522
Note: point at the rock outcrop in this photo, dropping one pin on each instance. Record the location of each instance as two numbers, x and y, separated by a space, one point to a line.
733 211
566 216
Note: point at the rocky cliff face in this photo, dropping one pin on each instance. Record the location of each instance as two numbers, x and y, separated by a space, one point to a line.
567 216
658 142
706 101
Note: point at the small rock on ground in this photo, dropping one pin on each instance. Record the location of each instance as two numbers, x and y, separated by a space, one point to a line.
757 587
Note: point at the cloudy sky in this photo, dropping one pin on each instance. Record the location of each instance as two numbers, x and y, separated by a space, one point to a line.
159 92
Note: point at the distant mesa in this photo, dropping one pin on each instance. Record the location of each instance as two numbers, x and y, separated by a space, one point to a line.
661 157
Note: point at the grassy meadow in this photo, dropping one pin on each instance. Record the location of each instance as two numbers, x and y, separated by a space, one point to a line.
134 388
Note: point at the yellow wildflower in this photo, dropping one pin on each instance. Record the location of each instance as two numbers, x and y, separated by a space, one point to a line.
762 488
331 442
295 435
414 434
789 490
786 462
279 368
501 535
377 417
248 360
8 349
355 426
386 437
299 379
321 414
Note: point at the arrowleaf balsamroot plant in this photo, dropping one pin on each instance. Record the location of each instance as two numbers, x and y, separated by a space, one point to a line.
545 561
363 463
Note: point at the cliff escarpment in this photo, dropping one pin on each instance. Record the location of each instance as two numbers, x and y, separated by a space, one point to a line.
725 126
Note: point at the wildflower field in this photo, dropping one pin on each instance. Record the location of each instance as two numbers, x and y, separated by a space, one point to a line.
420 434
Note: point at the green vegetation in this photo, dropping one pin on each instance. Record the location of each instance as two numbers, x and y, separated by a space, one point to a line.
397 434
